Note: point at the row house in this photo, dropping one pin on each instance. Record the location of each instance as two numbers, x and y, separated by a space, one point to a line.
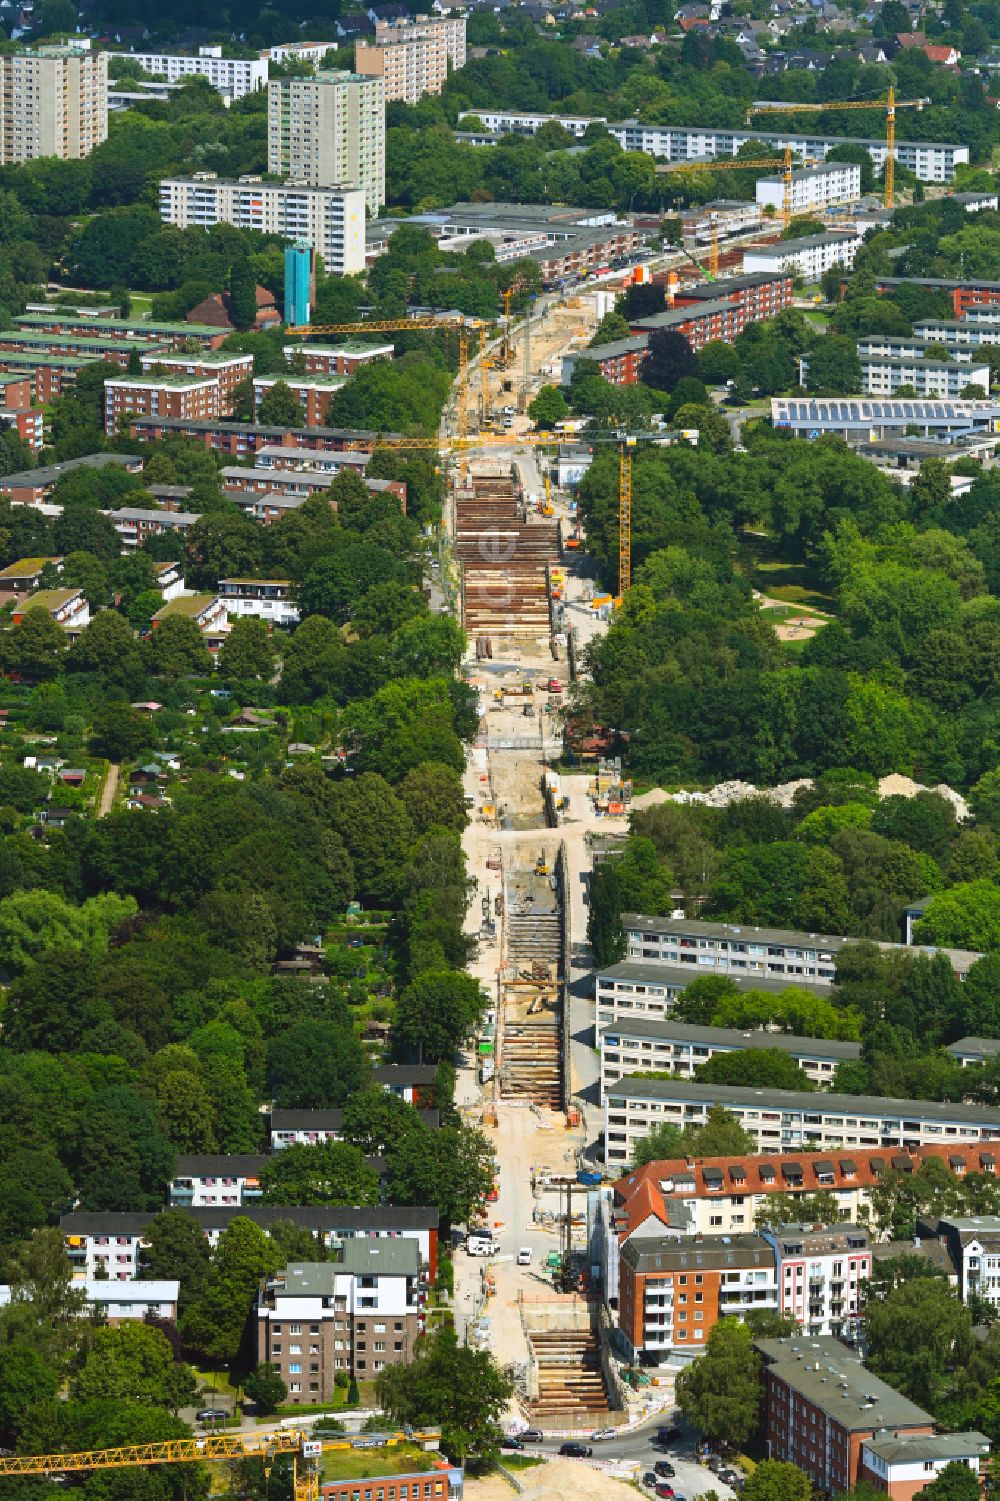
808 257
813 188
125 330
901 1464
722 1195
821 1271
50 374
19 580
337 359
680 1048
100 1243
359 1312
783 1119
135 525
290 1128
264 599
66 607
31 487
295 484
673 1292
229 370
761 295
280 456
206 610
314 393
209 1179
149 395
242 439
955 333
634 991
746 950
910 347
94 349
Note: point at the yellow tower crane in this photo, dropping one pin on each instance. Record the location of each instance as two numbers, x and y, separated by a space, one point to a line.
747 164
305 1452
890 104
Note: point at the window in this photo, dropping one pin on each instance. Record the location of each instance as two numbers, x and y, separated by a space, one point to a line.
295 1328
295 1368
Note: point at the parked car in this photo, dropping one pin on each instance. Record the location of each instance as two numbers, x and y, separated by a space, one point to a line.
665 1491
600 1434
650 1479
211 1415
575 1451
524 1256
663 1469
729 1476
510 1442
716 1464
531 1435
668 1435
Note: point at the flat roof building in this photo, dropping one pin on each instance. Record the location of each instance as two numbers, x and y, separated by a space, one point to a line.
54 103
329 130
786 1119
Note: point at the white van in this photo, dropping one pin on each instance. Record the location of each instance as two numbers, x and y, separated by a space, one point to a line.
480 1244
524 1256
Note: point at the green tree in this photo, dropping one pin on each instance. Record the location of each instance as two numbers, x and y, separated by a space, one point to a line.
451 1167
956 1482
103 645
669 359
247 651
280 407
38 645
454 1386
243 294
436 1013
118 732
45 1303
175 1247
762 1067
376 1121
265 1389
215 1321
136 1362
315 1065
774 1480
548 407
434 797
329 1172
175 648
920 1369
967 916
721 1393
834 367
27 1381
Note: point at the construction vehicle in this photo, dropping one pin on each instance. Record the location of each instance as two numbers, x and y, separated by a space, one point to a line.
542 865
547 507
890 104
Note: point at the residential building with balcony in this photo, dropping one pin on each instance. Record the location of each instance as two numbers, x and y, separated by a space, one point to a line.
135 525
974 1247
813 188
821 1406
359 1312
221 365
208 1179
808 257
413 58
909 347
29 487
99 1243
338 359
187 396
264 599
81 324
968 1051
648 991
330 215
959 332
234 77
206 610
313 392
54 103
742 950
21 579
66 607
821 1270
672 1292
120 1302
973 299
94 347
679 1048
926 377
289 1128
329 129
786 1119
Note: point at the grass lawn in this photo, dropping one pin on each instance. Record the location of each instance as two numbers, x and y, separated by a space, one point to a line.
520 1461
142 302
214 1381
361 1464
792 583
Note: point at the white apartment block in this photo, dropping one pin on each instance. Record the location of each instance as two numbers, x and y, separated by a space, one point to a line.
936 378
787 1119
808 257
55 103
931 161
820 1275
813 188
974 1247
329 129
956 331
232 76
207 1179
910 347
528 123
679 1048
630 992
331 218
263 599
301 52
744 951
121 1301
413 57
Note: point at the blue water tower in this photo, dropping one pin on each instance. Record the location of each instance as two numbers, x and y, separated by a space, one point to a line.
299 283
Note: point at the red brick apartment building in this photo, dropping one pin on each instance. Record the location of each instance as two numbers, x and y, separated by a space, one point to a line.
821 1406
338 359
50 374
443 1483
673 1292
227 369
128 330
761 295
314 392
105 351
964 294
171 395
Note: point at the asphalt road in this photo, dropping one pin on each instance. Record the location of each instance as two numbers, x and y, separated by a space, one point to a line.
691 1478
